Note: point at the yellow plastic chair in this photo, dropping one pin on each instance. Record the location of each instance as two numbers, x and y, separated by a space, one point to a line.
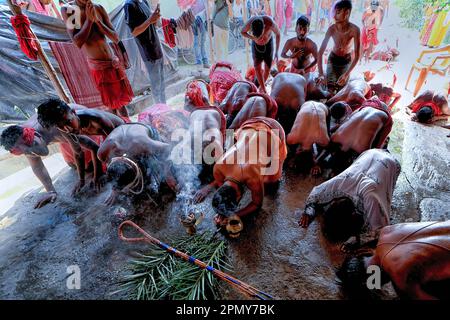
436 61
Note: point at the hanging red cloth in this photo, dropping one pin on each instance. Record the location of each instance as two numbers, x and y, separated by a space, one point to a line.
27 40
169 34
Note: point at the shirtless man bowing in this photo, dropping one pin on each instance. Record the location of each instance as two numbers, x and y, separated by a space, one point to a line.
262 45
310 128
340 63
31 139
255 161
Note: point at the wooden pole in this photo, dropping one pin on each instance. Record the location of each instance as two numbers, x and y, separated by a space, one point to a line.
49 70
208 19
244 6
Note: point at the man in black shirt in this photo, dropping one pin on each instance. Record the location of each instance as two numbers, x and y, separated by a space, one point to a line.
142 23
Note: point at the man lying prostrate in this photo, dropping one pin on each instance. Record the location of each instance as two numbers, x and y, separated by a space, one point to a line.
74 122
235 99
414 256
386 94
367 128
32 140
429 107
289 91
249 163
165 120
314 90
339 113
310 132
204 120
136 159
353 93
257 105
356 203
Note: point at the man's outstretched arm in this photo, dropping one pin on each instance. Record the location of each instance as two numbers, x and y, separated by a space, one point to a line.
320 54
37 165
79 162
92 146
257 190
307 216
277 32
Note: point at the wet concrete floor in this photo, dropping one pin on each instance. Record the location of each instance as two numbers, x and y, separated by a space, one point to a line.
273 254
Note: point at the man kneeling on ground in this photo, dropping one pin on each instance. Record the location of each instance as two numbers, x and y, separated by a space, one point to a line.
414 256
251 162
136 160
357 202
31 139
75 122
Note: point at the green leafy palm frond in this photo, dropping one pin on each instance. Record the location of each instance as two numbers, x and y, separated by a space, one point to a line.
158 274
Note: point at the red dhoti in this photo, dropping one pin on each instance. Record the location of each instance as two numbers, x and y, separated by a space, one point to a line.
112 82
69 157
369 36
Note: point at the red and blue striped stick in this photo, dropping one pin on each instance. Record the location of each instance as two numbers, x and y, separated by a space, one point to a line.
242 286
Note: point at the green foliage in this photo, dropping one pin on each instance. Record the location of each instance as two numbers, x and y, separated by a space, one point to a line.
443 4
412 12
158 274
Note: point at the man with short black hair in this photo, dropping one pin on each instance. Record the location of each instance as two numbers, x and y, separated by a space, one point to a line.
76 122
262 28
303 51
340 111
31 139
66 118
357 200
429 107
340 62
